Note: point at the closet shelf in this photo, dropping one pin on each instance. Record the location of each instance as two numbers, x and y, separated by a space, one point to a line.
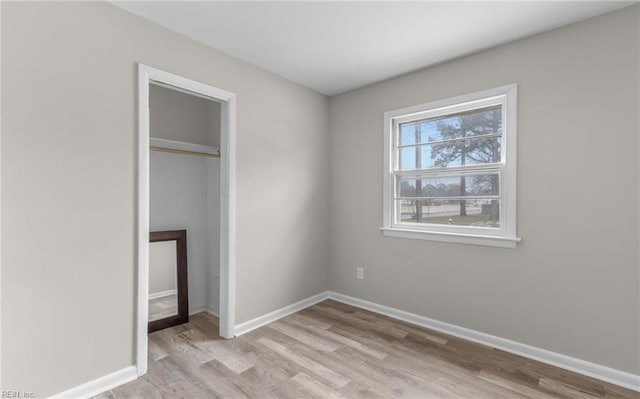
181 147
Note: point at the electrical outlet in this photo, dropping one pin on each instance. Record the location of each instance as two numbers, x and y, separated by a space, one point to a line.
360 273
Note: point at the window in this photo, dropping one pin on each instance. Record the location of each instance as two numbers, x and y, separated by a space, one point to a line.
450 170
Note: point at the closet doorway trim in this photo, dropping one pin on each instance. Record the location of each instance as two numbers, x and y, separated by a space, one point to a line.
148 75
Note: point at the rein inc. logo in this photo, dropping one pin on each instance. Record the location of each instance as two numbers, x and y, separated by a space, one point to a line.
10 393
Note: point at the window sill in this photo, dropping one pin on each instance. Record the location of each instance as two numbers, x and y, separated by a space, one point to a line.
460 238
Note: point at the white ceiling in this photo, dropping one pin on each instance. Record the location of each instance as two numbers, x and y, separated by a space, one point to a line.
333 47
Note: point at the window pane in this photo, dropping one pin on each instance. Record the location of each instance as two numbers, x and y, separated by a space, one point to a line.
472 123
408 133
472 151
418 157
406 210
471 212
482 150
457 186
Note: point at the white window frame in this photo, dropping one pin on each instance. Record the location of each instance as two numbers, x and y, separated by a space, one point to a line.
504 236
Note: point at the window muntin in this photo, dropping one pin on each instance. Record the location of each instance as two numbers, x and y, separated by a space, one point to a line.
449 171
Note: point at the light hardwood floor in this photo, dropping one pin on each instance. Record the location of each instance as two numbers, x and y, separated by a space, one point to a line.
332 350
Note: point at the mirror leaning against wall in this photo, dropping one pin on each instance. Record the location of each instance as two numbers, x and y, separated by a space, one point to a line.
168 288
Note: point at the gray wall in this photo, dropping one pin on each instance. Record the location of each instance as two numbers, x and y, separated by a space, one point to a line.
179 116
572 286
69 120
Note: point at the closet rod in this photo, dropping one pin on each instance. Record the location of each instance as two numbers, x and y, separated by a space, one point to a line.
185 152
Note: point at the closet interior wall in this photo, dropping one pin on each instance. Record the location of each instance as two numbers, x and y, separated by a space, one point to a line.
184 189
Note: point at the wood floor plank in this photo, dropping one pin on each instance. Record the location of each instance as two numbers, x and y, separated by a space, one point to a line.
375 377
299 318
566 390
300 334
315 388
342 340
383 321
361 322
333 350
314 367
520 388
227 356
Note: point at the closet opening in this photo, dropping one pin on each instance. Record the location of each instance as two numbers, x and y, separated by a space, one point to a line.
186 221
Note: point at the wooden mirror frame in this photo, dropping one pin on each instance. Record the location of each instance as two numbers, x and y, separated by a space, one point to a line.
180 237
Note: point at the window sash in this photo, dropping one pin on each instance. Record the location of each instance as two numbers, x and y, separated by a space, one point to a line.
451 110
505 234
460 172
449 171
433 214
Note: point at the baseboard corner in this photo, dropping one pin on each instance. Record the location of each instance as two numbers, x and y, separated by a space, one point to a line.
206 310
99 385
277 314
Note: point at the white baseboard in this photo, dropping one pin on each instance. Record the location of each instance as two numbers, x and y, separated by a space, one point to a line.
608 374
260 321
99 385
207 310
162 294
